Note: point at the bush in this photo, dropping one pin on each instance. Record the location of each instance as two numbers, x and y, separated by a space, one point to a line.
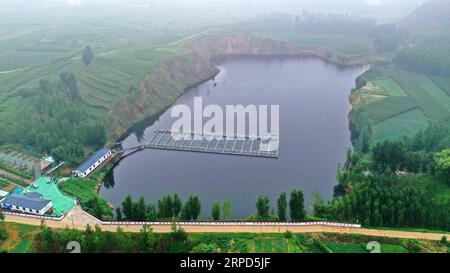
204 248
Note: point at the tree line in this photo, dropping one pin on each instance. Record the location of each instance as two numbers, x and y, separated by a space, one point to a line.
168 208
296 207
428 57
95 240
54 122
387 201
386 37
171 207
382 187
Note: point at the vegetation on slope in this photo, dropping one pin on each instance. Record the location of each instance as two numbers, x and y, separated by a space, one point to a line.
85 192
402 183
431 19
400 99
53 121
94 240
398 103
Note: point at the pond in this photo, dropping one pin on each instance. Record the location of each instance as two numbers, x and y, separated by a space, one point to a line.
314 137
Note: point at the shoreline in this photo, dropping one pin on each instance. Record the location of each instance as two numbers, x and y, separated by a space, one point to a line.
337 60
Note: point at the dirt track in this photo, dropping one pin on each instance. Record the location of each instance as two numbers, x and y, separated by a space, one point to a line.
78 219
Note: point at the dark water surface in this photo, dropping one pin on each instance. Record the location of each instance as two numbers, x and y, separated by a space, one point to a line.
314 136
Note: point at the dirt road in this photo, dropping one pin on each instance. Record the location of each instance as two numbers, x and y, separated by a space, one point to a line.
78 219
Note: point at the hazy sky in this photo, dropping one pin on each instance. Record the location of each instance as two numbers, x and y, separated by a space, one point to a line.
374 8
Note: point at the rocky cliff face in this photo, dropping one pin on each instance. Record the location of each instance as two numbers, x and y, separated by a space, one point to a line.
238 45
170 78
173 76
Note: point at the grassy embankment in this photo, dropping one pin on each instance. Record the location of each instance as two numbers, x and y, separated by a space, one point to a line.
85 190
20 237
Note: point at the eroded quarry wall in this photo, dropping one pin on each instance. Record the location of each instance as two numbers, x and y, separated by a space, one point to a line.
174 75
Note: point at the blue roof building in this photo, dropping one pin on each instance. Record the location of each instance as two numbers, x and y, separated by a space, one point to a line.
31 203
92 163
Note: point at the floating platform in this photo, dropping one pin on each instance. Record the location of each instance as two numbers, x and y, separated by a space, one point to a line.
217 144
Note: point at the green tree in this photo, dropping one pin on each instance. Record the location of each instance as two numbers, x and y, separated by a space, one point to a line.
177 205
178 240
95 207
70 81
204 248
87 55
92 134
127 208
46 241
442 160
318 204
192 208
413 246
215 214
119 214
151 214
226 209
263 207
165 207
140 209
282 206
147 240
297 206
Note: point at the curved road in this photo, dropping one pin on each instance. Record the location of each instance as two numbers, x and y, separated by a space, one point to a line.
79 219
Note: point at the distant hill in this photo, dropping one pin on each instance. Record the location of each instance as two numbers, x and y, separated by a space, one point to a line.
430 19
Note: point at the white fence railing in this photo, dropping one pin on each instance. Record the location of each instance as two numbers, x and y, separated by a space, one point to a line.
274 224
197 223
34 216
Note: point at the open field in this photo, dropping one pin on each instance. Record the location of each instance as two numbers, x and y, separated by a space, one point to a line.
443 83
3 184
79 219
401 103
436 187
20 239
51 42
404 124
126 52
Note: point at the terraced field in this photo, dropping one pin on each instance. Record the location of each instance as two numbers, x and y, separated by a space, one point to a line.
337 247
270 245
407 123
401 103
125 51
443 83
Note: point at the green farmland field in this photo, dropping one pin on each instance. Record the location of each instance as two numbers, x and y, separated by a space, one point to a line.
410 101
431 99
389 107
345 247
443 83
270 245
388 248
382 83
405 124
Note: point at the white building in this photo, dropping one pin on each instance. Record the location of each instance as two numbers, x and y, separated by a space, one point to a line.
32 203
92 163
